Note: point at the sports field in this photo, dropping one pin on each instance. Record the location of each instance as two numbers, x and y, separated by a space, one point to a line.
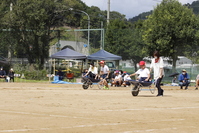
67 108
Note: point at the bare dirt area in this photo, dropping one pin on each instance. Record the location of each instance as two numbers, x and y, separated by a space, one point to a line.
67 108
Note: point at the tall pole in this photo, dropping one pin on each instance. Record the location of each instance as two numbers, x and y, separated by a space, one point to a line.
108 12
9 48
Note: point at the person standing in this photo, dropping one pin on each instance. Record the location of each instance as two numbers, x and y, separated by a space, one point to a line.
184 79
104 73
197 82
157 65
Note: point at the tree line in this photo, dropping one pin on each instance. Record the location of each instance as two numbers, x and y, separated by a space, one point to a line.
28 28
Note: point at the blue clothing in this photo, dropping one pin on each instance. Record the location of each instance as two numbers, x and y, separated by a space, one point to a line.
183 77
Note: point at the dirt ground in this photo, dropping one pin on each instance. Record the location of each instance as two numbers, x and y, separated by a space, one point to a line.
67 108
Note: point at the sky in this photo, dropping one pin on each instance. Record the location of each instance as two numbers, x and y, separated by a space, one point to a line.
130 8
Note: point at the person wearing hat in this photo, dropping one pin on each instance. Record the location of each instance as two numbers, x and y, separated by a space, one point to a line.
11 75
117 80
143 72
184 79
92 71
157 65
126 79
104 73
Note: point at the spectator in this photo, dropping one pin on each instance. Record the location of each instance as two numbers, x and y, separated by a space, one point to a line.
2 73
60 74
197 82
126 79
117 80
184 79
11 75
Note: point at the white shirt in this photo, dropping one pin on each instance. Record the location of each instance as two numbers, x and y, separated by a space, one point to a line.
105 69
118 76
126 77
94 70
156 67
143 72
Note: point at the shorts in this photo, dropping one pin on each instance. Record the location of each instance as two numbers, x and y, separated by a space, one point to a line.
104 76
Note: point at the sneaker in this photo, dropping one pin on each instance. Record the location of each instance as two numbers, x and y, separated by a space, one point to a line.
196 88
186 88
159 96
106 88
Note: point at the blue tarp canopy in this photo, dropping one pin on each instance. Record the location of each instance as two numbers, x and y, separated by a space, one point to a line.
68 54
103 55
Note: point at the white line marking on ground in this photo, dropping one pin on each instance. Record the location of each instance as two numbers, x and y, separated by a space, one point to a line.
78 126
37 114
176 108
150 130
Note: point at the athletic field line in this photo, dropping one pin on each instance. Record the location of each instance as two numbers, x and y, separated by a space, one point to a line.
174 108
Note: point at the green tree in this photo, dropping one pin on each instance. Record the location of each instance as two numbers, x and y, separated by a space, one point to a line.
125 39
171 29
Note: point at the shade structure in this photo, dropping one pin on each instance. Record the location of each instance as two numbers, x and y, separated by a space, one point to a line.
103 55
68 54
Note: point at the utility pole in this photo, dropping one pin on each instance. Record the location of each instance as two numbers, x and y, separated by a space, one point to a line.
9 48
108 12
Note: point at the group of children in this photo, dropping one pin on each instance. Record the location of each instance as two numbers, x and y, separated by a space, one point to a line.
118 77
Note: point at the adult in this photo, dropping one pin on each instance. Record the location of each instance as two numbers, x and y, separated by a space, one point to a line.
157 65
60 74
104 73
11 75
92 71
184 79
197 82
2 73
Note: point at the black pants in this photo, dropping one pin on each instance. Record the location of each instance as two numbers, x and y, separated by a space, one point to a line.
160 90
91 75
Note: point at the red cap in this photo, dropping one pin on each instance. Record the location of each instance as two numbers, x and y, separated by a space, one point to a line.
142 63
101 62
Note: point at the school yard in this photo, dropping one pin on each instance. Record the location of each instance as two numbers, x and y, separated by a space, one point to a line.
67 108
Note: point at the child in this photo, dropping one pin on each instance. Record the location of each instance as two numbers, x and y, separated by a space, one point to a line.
143 72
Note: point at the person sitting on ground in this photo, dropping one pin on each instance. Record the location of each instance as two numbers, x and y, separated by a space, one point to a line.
104 73
60 74
143 72
197 82
126 79
184 79
11 75
117 81
92 71
2 73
